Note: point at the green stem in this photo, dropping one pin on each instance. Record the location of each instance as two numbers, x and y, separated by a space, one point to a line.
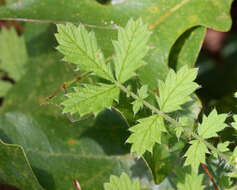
172 121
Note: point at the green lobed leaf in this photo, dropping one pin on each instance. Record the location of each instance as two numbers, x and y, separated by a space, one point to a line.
90 99
208 128
222 147
191 181
176 89
89 150
130 49
187 116
146 134
60 151
4 87
13 54
169 21
122 183
196 154
15 169
142 94
136 106
212 124
80 47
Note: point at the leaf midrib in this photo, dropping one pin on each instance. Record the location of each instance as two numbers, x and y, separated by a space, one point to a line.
172 91
103 92
86 55
126 56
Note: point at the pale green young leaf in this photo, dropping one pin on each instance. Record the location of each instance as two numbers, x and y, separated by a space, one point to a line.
222 147
142 94
234 124
196 154
183 121
80 47
191 182
13 54
130 49
136 106
212 124
122 183
90 99
179 131
146 134
4 87
176 89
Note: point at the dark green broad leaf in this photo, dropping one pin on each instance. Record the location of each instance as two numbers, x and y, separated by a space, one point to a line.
186 49
59 151
168 20
13 58
15 169
13 54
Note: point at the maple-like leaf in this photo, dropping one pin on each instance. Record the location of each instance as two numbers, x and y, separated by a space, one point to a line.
212 124
122 183
80 47
196 154
130 49
209 127
191 182
142 94
176 89
146 134
222 147
90 99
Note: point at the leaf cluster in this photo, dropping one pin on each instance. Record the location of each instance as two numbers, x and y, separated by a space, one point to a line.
80 47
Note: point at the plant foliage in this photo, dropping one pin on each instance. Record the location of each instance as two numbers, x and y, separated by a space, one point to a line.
174 92
115 56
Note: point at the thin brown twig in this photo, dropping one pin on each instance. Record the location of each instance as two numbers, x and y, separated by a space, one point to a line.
209 175
63 87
